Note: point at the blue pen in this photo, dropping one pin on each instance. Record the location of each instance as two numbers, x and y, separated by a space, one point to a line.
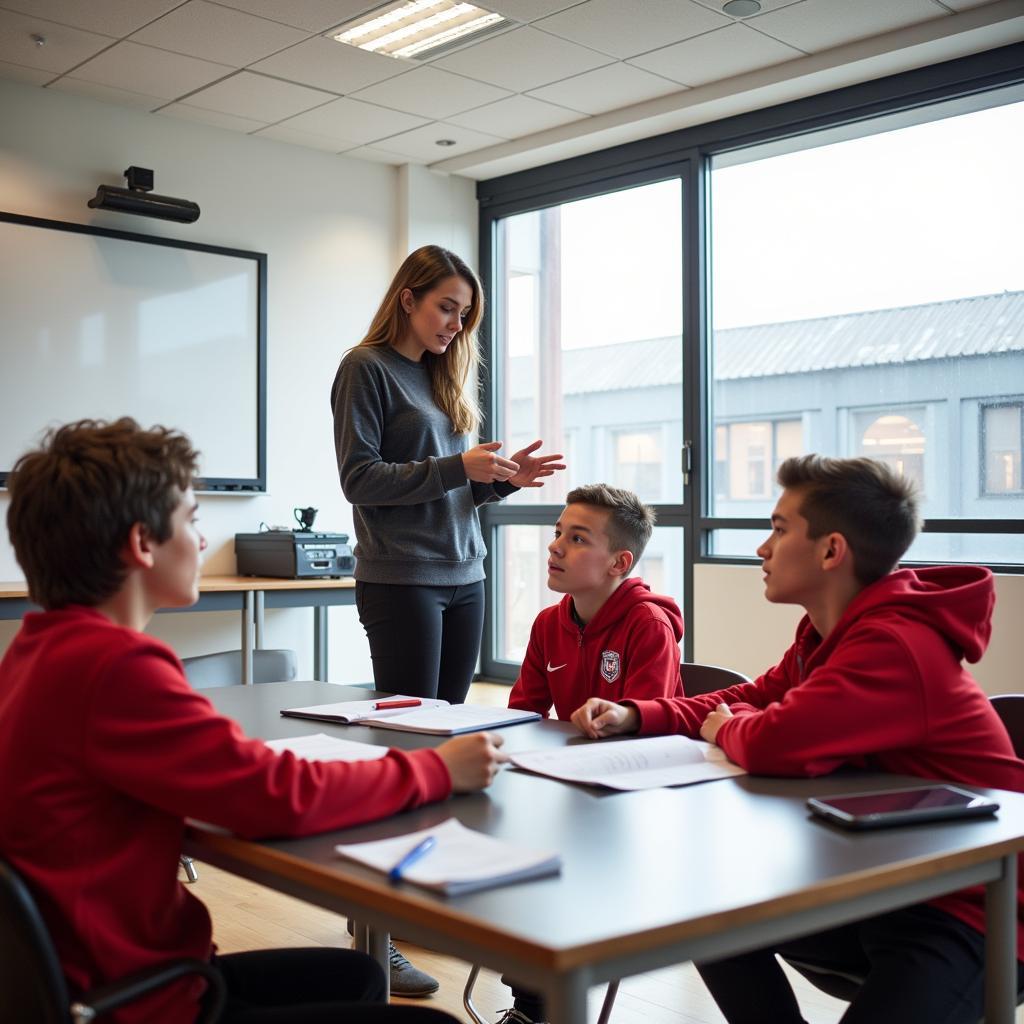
418 851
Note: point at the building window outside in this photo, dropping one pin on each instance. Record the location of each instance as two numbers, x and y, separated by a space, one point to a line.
747 456
637 462
895 437
1002 431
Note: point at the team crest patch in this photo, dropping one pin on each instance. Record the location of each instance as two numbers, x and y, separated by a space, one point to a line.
611 666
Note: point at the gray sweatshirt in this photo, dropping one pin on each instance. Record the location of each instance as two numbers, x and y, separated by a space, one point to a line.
401 469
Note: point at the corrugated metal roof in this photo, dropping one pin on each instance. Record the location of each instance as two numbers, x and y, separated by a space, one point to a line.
982 325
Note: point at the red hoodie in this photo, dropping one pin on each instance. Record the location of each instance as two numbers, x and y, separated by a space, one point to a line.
629 649
886 691
104 750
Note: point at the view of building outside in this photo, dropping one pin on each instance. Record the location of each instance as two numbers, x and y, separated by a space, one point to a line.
863 302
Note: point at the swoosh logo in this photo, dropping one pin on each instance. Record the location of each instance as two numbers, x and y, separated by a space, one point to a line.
555 668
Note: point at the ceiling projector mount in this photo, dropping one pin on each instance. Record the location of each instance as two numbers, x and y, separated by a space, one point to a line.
140 199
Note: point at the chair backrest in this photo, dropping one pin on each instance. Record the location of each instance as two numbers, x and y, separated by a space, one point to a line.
1010 708
32 986
225 668
698 679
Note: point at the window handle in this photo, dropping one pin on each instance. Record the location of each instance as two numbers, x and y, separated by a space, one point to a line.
687 461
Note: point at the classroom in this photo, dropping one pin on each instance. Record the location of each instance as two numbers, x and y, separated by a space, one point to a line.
594 161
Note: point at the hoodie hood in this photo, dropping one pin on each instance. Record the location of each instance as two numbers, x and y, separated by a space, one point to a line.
628 595
954 600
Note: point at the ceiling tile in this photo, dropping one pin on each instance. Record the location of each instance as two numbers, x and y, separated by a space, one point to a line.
514 117
609 88
108 94
431 92
255 96
528 10
30 76
421 143
145 69
282 133
350 120
325 64
312 15
64 47
716 55
233 123
111 17
523 59
220 34
379 156
814 25
615 27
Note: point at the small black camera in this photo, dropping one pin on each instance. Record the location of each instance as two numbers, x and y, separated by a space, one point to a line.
140 179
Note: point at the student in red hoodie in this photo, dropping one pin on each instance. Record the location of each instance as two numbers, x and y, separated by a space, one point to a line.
105 749
874 680
609 636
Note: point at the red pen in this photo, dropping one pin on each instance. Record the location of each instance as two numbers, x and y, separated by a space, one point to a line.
386 705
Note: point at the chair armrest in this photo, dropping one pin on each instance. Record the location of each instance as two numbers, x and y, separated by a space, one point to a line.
104 998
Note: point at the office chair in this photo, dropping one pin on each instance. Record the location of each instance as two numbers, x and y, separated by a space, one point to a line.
1010 708
32 985
698 679
225 668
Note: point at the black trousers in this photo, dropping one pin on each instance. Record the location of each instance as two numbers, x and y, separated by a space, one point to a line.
920 965
311 986
424 641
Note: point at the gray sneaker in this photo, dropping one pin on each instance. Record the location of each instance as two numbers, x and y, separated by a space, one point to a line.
408 981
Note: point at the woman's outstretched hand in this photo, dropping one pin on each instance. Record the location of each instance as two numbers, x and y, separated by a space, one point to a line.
483 465
532 469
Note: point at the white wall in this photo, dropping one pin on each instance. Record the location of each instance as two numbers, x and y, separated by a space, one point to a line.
734 626
334 230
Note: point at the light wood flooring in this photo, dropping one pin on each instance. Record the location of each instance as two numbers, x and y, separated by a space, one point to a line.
249 916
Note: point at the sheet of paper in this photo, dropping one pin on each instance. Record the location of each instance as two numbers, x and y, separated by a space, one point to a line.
359 710
646 763
455 718
321 747
463 860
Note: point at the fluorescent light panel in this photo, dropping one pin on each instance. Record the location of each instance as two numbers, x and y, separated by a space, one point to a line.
412 27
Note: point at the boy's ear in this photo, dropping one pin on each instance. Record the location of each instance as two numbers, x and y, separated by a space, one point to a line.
835 552
622 564
138 548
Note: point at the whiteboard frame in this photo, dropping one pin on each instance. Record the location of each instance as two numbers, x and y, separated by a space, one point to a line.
223 485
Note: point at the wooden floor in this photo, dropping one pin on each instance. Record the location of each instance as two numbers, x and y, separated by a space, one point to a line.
248 916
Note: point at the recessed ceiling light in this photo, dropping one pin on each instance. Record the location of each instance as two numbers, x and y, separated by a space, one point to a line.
741 8
445 142
411 28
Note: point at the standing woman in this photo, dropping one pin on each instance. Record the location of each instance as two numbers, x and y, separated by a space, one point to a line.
402 418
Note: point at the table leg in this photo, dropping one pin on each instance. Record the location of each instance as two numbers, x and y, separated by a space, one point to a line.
378 945
320 643
1001 945
567 1003
260 596
247 637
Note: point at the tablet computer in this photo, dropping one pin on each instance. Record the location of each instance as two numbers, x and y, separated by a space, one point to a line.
901 806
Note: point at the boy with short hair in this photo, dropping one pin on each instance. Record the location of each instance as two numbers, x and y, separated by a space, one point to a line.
874 680
608 636
105 749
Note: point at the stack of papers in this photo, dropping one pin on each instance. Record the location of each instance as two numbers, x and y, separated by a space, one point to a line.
321 747
462 861
647 763
434 717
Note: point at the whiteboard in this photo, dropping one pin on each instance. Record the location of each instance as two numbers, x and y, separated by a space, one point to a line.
100 324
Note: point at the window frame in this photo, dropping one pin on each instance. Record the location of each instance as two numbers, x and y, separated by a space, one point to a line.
959 86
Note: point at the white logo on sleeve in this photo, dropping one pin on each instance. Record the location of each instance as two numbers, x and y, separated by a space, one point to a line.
555 668
611 666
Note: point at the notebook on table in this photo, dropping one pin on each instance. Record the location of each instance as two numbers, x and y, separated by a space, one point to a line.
433 717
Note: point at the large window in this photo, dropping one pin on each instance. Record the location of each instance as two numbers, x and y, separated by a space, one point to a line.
838 275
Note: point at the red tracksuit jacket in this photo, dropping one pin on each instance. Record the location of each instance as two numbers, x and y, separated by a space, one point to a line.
104 750
629 649
886 690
